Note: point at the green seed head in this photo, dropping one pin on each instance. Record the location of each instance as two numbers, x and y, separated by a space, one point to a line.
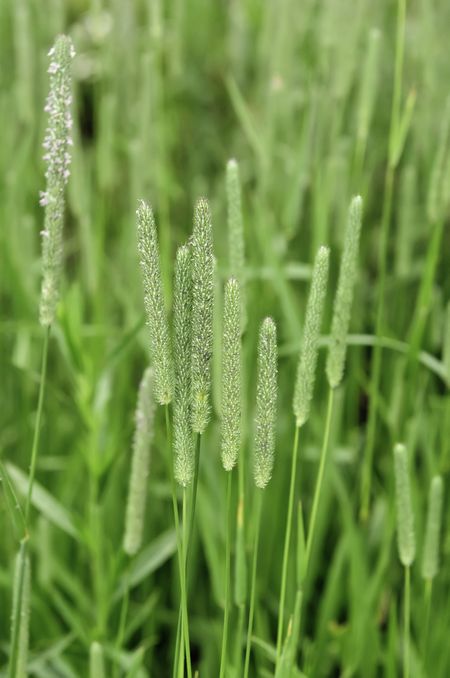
236 247
57 156
430 560
266 403
306 371
182 431
202 315
137 491
344 295
231 375
405 518
154 304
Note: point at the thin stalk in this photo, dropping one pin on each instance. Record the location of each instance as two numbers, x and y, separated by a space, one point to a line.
17 611
428 593
253 582
319 481
366 479
183 587
37 425
194 489
223 654
287 541
179 655
406 622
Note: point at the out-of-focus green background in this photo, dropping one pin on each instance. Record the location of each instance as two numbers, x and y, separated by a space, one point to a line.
300 93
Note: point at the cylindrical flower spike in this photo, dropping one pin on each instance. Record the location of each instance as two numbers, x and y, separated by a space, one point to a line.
306 371
154 304
344 295
202 315
266 404
182 431
137 491
57 156
430 561
405 519
236 247
231 375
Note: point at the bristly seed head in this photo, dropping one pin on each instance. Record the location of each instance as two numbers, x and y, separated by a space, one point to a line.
231 375
202 315
182 307
140 463
405 518
160 349
306 371
344 295
266 403
57 157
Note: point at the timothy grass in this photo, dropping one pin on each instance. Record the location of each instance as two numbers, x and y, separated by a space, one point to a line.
316 103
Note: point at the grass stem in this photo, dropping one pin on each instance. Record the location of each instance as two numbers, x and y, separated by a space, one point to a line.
319 481
223 657
406 622
251 613
287 541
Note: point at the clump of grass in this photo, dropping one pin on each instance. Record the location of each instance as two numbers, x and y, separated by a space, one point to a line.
182 432
160 350
137 491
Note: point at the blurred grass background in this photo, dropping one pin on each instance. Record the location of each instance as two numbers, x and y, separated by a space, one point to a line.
165 94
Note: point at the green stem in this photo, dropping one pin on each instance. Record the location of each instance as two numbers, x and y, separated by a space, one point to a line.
253 582
37 426
287 541
406 621
223 654
17 610
428 594
198 439
319 481
183 587
179 655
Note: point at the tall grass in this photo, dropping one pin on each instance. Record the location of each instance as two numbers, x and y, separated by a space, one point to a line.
315 102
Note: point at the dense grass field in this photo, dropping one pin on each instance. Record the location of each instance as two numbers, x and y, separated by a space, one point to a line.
318 101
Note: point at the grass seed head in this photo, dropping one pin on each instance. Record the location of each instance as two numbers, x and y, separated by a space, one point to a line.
160 350
405 517
140 464
57 144
231 375
202 315
344 295
182 431
306 371
430 560
266 403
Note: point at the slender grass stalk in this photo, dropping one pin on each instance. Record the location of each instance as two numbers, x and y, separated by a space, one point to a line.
20 614
319 481
184 588
37 426
223 653
407 622
257 527
304 388
287 538
137 491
